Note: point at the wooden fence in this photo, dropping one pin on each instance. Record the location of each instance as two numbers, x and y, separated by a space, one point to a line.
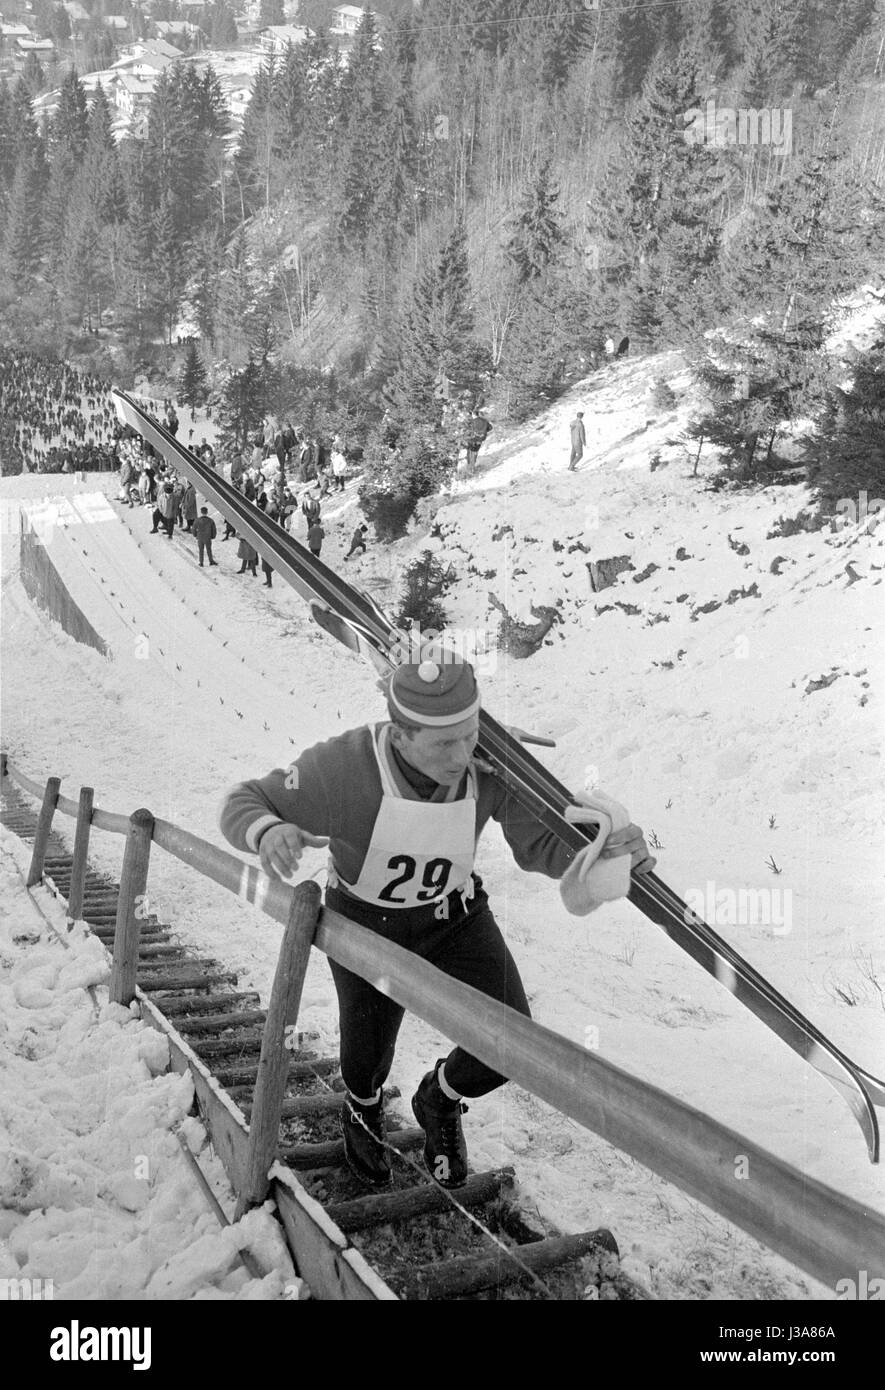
825 1233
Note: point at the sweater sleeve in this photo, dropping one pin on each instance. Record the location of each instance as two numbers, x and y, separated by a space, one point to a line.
297 795
535 849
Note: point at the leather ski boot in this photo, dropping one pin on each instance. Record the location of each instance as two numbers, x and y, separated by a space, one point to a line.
362 1127
445 1150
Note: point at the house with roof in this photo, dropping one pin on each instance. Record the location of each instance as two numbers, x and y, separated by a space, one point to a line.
276 38
132 96
345 20
43 48
12 32
169 29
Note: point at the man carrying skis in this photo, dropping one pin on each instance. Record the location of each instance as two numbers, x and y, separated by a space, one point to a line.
402 804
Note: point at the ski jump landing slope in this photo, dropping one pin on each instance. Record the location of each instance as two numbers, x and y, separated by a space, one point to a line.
109 592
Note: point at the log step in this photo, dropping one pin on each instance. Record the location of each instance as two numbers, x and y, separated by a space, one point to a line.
107 934
177 1006
194 963
161 950
417 1201
467 1274
294 1107
245 1046
218 1023
237 1076
331 1153
159 983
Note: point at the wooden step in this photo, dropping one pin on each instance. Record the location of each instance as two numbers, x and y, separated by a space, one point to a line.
380 1208
238 1075
467 1274
167 982
218 1023
176 1006
244 1046
332 1152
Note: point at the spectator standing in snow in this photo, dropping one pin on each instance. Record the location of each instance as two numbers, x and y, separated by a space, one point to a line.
205 531
475 432
315 537
189 506
249 557
579 440
339 467
167 506
268 571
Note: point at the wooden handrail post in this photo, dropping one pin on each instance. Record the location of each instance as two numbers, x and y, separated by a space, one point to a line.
81 849
131 906
41 834
273 1065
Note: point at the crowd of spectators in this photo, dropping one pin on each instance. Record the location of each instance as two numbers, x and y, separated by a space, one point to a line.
55 419
283 472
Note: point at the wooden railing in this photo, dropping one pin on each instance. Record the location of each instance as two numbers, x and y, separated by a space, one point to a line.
825 1233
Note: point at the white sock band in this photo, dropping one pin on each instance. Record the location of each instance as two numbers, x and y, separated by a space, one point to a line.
444 1085
374 1101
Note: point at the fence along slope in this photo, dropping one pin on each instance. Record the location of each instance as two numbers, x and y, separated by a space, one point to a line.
822 1231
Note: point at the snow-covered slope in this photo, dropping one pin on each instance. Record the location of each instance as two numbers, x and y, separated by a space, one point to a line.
698 693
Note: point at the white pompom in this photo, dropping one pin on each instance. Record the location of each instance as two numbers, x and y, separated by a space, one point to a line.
428 671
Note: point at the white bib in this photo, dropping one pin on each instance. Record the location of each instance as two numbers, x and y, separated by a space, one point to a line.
420 851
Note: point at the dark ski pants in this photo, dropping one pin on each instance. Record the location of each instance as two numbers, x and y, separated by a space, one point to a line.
469 947
205 548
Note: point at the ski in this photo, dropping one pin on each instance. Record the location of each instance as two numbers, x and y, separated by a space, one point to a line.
354 618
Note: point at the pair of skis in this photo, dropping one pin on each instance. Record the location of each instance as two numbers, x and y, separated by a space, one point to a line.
353 618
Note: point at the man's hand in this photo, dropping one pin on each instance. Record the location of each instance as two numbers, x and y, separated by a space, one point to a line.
630 841
280 849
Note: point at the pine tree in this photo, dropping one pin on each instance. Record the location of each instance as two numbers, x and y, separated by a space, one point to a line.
253 161
241 408
425 583
86 276
438 350
192 380
537 234
657 222
166 266
847 453
68 127
33 78
207 261
23 238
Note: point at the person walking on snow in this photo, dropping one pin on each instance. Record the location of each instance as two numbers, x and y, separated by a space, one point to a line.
579 440
358 541
401 805
205 531
315 537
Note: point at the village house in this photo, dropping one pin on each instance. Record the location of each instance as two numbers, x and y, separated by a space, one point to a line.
345 20
276 38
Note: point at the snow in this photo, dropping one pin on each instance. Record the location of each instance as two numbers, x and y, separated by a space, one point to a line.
701 722
95 1192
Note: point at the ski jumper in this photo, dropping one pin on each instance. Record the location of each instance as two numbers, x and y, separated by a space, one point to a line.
401 864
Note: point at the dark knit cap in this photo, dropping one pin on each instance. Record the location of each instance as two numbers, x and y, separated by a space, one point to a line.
434 693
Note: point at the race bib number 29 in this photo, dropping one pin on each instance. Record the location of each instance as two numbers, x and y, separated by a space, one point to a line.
404 868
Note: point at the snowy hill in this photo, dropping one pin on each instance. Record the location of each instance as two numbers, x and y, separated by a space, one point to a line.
728 691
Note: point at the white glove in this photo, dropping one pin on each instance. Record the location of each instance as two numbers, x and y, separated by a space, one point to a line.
589 880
